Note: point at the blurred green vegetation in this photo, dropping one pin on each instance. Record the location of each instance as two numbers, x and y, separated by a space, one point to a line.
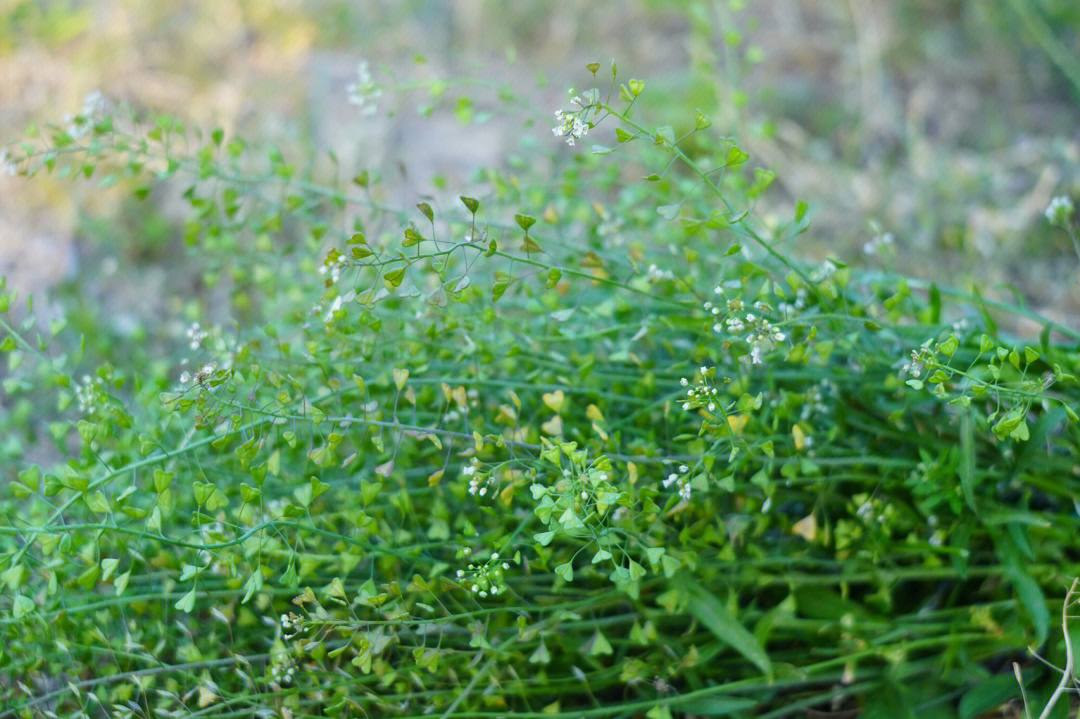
947 124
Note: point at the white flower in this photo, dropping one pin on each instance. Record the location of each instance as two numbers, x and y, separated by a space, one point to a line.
569 126
683 381
334 307
1060 210
883 240
196 334
206 372
364 93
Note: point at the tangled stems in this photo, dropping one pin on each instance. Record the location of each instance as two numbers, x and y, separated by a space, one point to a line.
493 469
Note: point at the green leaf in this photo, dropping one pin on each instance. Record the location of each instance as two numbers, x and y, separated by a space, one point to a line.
714 615
187 602
1070 413
525 221
670 565
412 236
967 459
665 135
990 694
1027 589
108 566
596 645
800 210
1031 596
716 706
22 606
471 204
736 156
541 655
569 520
369 491
566 571
544 538
97 502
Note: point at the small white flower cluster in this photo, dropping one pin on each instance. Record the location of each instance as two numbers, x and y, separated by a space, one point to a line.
1060 211
292 624
205 373
88 393
364 93
610 227
333 265
93 109
485 579
828 269
655 274
702 394
815 396
920 358
680 481
328 314
790 308
876 243
283 670
196 334
478 483
755 329
570 123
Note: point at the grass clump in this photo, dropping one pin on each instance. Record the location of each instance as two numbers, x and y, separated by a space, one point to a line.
587 442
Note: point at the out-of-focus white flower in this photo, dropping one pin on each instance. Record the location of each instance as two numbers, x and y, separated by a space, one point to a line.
364 93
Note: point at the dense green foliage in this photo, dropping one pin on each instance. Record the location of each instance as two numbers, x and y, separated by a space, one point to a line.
589 441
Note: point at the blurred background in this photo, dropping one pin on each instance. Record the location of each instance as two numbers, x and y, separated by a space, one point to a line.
928 136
